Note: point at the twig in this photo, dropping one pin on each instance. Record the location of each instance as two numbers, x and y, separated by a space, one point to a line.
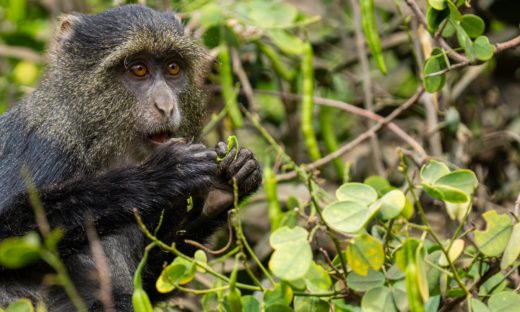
506 45
20 53
367 82
392 41
499 48
105 282
244 80
422 19
176 252
219 251
358 111
349 146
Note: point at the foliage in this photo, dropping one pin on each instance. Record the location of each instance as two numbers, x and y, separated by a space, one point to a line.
348 242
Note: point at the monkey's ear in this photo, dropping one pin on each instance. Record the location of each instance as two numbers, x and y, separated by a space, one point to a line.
66 24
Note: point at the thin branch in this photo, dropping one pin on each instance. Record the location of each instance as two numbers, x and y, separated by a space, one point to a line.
500 47
244 80
357 111
422 19
219 251
506 45
368 96
349 146
21 53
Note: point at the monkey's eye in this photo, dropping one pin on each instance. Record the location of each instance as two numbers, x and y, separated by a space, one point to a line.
139 69
173 69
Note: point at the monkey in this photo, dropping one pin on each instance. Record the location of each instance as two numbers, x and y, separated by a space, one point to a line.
112 127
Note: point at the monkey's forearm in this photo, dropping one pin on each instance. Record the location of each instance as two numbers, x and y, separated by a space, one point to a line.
103 198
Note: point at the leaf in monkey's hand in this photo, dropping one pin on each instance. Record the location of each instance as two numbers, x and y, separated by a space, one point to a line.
232 142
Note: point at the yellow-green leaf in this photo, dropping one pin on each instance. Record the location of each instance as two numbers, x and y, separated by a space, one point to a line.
512 250
365 252
493 240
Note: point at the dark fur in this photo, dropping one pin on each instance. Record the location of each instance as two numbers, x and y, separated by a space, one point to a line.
81 136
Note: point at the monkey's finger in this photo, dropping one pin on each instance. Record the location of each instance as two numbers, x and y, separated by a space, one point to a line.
243 156
246 170
221 149
230 157
251 182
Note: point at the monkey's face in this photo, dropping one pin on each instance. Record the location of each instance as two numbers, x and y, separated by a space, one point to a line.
156 83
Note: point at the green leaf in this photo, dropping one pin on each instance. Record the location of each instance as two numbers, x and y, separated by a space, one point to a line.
457 211
17 252
432 305
291 261
448 31
392 203
406 253
493 240
473 25
478 306
433 171
379 184
512 250
267 14
250 304
377 300
504 301
433 65
21 305
179 272
317 279
200 256
277 308
394 274
455 251
437 4
310 304
281 294
455 15
286 42
483 49
399 295
434 18
461 179
358 192
210 15
346 216
365 252
465 42
446 193
286 235
493 285
364 283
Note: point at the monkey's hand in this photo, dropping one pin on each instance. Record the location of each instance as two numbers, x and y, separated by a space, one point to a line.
178 169
242 167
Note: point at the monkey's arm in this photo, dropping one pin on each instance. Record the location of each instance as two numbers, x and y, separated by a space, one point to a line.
169 174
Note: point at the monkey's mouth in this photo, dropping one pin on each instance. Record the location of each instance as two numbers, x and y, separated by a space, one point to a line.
160 137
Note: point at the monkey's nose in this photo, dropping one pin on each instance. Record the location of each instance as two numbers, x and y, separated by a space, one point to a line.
164 106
